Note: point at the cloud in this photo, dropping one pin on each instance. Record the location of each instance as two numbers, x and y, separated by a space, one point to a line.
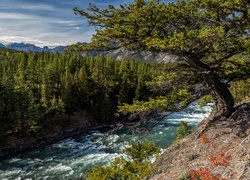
43 7
47 22
69 23
10 39
65 22
14 16
42 23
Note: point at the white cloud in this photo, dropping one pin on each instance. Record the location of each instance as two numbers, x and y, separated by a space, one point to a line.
10 39
15 16
42 7
46 23
65 22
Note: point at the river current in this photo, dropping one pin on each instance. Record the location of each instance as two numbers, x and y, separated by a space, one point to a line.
71 158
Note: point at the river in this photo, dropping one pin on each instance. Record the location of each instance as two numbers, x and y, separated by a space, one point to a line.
69 159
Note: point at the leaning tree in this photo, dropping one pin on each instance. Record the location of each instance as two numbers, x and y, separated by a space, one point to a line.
209 37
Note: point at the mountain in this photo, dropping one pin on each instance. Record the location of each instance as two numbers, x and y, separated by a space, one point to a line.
123 53
117 54
33 48
2 45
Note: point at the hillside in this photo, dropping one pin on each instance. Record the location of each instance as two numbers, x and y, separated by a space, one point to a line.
5 49
56 94
118 54
223 150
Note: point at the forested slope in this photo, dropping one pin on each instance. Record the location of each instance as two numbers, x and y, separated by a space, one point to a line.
45 94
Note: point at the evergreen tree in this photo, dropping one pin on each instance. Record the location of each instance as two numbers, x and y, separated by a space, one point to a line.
205 35
183 130
36 85
136 168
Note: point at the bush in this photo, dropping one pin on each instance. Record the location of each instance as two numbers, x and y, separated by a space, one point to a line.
135 168
205 100
183 130
184 176
192 155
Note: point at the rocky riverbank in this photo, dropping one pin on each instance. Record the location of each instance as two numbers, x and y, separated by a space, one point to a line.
221 151
53 129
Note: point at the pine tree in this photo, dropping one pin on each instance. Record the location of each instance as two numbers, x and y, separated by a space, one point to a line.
205 35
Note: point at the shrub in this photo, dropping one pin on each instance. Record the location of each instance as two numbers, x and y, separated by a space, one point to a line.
205 100
221 160
184 176
192 155
135 168
183 130
203 174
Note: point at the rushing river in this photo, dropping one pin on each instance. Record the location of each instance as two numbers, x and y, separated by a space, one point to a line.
71 158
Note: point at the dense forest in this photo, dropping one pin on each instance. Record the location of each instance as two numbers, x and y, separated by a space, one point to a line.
33 85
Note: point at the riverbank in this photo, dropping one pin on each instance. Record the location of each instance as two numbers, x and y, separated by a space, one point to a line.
56 128
72 157
222 150
51 131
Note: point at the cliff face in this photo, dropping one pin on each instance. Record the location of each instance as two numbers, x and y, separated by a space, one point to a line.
147 56
222 150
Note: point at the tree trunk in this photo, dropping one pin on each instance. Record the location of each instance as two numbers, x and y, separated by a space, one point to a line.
223 98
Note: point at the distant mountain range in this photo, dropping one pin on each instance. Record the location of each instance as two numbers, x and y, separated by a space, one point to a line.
33 48
118 54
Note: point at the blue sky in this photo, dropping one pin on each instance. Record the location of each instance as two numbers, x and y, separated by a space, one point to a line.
46 22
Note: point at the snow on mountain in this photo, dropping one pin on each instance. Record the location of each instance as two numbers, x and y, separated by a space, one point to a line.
33 48
2 45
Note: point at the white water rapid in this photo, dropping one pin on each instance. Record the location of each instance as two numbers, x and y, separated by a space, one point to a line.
71 158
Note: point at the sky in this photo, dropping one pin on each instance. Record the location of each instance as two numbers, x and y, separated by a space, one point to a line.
47 22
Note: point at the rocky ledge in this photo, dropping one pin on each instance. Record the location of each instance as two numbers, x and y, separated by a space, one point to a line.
222 151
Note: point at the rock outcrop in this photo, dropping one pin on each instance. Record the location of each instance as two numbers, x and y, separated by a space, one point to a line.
223 150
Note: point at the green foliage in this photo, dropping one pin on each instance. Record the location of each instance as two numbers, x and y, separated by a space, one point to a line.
151 105
141 151
14 107
121 169
35 84
184 176
209 37
167 77
199 26
183 130
159 103
183 96
136 167
241 90
205 100
57 104
34 128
